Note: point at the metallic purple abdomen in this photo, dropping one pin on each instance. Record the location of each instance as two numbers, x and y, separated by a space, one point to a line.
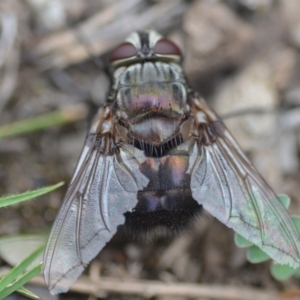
167 200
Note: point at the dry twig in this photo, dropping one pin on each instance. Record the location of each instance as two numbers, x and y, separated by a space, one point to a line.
155 288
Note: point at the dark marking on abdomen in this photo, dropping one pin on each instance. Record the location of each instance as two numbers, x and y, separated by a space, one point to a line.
167 200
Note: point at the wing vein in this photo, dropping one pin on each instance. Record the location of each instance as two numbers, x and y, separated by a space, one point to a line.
103 195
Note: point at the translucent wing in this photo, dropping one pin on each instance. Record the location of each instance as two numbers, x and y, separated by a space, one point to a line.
103 188
229 187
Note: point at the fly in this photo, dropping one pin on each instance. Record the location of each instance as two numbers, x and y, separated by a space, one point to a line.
155 155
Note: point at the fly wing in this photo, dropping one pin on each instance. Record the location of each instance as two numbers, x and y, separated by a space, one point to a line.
229 187
93 208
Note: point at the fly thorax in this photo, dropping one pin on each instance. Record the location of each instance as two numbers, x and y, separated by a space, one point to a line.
151 100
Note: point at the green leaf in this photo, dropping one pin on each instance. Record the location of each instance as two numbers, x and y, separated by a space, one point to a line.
255 255
241 241
282 272
27 293
9 200
63 116
18 283
19 269
285 200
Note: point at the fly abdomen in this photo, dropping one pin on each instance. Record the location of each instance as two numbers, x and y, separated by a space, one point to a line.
167 200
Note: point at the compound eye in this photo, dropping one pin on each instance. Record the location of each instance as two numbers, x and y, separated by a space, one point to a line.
166 47
123 51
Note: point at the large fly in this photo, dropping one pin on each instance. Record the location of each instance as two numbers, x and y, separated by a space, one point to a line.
155 155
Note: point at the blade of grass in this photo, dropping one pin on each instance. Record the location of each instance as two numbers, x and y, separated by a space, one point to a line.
27 293
21 281
9 200
18 269
63 116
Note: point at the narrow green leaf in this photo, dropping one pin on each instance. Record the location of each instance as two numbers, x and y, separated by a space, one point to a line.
21 281
27 293
285 200
282 272
255 255
63 116
241 241
9 200
18 269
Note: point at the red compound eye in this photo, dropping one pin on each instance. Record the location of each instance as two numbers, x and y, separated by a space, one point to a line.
123 51
166 47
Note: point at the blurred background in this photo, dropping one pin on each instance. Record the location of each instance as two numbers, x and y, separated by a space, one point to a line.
241 55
